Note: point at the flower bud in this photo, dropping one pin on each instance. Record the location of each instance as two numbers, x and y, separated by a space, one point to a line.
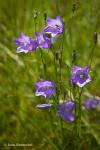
74 7
57 55
95 37
35 14
45 15
44 65
74 55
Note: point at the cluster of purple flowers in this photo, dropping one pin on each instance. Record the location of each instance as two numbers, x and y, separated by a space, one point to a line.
47 89
80 76
26 44
65 110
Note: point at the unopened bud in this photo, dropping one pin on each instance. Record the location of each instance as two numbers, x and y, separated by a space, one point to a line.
45 15
65 94
74 7
44 66
57 55
60 61
35 14
95 38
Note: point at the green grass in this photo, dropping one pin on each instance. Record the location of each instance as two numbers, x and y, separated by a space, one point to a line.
20 121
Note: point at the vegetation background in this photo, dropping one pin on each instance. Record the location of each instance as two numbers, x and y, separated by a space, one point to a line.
20 120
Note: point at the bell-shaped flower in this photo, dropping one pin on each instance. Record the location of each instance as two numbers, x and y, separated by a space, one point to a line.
25 43
45 88
80 76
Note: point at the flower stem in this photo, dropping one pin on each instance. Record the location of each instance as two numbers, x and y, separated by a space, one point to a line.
55 65
93 49
43 63
61 56
74 94
77 111
91 56
62 133
79 114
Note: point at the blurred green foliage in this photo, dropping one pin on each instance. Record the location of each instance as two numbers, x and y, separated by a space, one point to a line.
20 121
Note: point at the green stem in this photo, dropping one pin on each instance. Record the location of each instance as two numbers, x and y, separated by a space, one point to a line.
78 109
44 65
79 114
62 133
34 24
74 94
55 66
61 56
92 55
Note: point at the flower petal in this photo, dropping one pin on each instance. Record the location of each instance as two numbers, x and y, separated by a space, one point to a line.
43 106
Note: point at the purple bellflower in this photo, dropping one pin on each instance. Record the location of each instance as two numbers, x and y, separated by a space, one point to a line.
54 26
45 88
91 103
43 41
65 110
44 106
25 43
80 76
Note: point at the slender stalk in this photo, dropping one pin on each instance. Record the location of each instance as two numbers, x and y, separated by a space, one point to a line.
55 70
55 65
35 25
35 17
43 63
93 49
77 110
62 133
60 78
76 116
79 113
61 56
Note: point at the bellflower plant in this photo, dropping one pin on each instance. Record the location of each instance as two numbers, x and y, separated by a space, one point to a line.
25 44
70 110
45 88
65 110
54 26
80 76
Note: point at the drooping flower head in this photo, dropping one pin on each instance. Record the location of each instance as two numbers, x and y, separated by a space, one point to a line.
91 103
25 43
65 110
80 76
43 41
54 26
44 106
45 88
